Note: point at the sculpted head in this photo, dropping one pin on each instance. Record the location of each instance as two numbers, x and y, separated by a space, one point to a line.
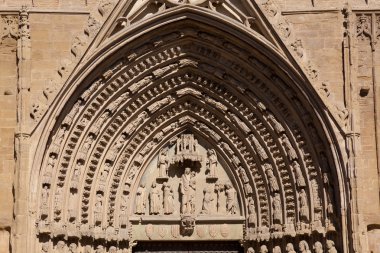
303 246
263 249
187 171
318 247
330 244
289 247
250 250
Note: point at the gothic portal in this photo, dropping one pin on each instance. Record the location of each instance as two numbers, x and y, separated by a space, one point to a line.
185 121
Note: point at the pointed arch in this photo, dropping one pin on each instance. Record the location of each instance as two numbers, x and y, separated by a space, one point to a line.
189 71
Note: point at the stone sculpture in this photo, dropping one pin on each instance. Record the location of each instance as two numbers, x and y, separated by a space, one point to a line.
263 249
331 246
304 206
290 248
211 163
73 248
250 250
277 210
187 187
163 163
272 181
207 201
98 208
168 199
276 249
303 247
155 199
299 177
231 201
318 248
251 212
140 199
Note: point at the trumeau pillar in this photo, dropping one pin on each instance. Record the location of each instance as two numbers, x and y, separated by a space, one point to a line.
22 136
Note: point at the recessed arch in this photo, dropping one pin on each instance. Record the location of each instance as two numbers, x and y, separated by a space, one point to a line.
202 76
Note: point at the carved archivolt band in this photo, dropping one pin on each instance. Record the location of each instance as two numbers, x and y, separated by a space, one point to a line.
187 81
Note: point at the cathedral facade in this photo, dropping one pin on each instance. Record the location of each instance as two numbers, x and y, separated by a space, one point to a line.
189 126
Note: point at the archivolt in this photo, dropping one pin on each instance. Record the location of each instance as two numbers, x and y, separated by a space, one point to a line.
240 97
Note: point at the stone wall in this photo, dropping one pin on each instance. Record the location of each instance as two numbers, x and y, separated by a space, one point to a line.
342 55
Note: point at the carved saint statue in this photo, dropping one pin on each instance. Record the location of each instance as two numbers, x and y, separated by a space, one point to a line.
100 249
188 189
95 128
263 249
290 151
277 213
136 123
272 181
250 250
251 212
290 248
304 207
231 201
212 162
70 116
140 199
49 169
87 249
303 247
207 201
85 148
155 196
58 200
331 246
123 210
168 199
276 249
72 209
103 180
44 200
163 163
60 248
98 208
299 177
318 248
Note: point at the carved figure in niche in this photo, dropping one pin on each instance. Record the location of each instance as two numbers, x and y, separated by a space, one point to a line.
290 151
290 248
58 138
299 177
316 198
102 180
73 248
163 163
259 149
303 247
58 200
186 144
49 169
207 201
44 201
231 201
72 204
272 181
155 196
98 208
318 248
251 212
277 249
263 249
218 188
140 199
113 106
123 210
277 213
239 122
185 190
275 124
156 105
116 148
60 248
137 122
95 128
85 148
331 246
304 207
193 183
76 174
243 175
45 247
74 111
212 162
112 249
168 199
250 250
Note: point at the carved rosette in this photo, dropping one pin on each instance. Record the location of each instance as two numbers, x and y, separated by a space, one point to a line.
192 135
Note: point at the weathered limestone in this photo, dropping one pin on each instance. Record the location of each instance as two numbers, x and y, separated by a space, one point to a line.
229 121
